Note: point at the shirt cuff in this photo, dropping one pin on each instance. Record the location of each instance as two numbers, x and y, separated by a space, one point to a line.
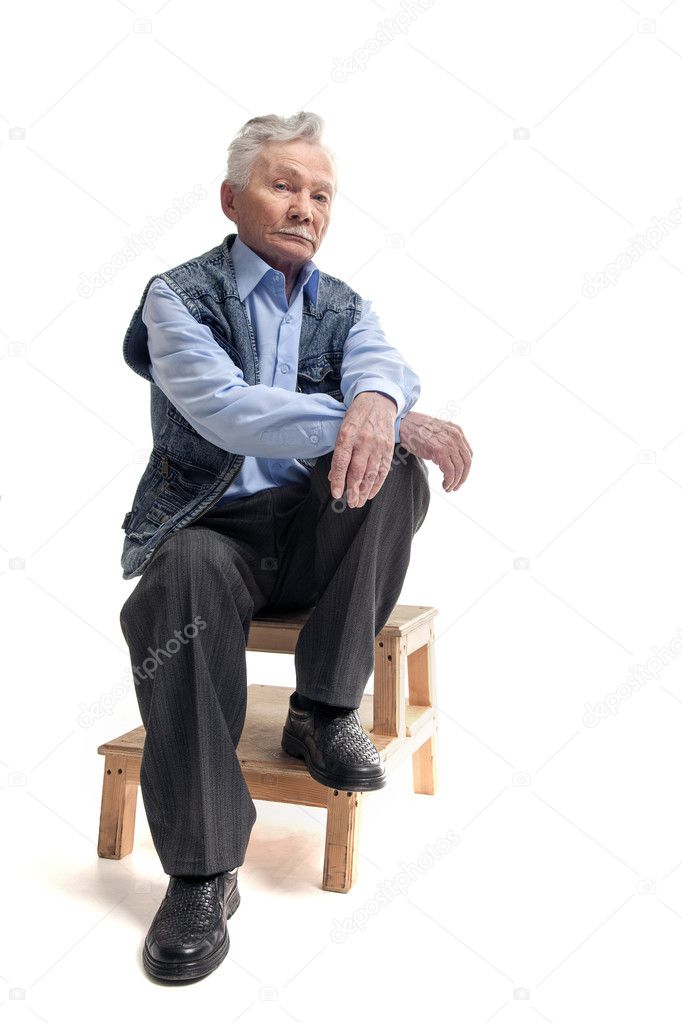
385 387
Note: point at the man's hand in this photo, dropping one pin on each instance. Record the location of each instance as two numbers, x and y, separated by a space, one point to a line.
364 448
439 442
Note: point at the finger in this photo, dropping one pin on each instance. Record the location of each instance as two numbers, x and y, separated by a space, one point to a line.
354 476
467 465
449 470
464 441
382 473
337 473
368 483
458 462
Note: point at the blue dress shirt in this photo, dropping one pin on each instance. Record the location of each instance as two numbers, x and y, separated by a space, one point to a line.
271 423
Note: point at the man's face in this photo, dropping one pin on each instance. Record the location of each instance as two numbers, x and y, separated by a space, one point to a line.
284 211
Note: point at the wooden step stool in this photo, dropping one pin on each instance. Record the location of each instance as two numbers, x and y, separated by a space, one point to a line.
400 725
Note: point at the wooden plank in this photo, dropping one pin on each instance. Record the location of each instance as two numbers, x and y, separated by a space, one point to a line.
407 617
342 840
424 767
389 685
278 633
259 749
417 719
421 672
419 635
400 749
131 743
117 812
284 786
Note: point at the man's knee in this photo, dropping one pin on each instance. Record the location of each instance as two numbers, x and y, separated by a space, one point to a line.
186 554
184 550
190 561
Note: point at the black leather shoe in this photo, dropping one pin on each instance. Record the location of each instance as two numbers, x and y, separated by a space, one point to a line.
188 936
336 749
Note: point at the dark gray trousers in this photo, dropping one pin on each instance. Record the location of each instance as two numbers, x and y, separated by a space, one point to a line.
187 622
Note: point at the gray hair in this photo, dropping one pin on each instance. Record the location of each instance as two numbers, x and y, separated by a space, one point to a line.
246 145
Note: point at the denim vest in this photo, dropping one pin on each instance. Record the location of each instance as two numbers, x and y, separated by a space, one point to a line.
186 474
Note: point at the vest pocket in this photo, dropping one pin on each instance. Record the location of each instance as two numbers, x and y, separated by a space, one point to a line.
321 376
151 517
166 488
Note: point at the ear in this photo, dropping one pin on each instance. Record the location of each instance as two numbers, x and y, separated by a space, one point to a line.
227 194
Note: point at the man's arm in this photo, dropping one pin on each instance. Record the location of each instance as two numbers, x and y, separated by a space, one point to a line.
370 363
203 382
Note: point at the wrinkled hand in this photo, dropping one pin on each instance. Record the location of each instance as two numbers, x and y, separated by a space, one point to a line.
440 442
364 448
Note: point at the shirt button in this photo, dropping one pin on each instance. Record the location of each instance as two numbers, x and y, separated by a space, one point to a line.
314 438
284 368
287 318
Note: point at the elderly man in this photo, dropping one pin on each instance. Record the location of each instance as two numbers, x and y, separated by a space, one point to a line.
287 471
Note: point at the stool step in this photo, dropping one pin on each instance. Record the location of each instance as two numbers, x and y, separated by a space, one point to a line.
277 631
259 749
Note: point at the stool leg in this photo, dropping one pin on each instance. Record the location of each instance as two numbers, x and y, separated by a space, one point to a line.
424 771
342 840
389 685
421 676
119 802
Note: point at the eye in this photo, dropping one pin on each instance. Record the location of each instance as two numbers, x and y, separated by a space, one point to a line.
278 183
322 197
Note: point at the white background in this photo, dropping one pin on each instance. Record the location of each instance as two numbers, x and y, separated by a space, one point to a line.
491 155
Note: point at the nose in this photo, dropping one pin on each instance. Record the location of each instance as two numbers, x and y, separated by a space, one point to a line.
302 208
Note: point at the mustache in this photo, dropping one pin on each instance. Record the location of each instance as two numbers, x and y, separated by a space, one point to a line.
299 232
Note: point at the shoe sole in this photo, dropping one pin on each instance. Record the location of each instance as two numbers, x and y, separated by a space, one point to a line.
296 748
200 967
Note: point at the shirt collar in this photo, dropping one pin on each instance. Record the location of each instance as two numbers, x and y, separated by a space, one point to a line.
249 270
